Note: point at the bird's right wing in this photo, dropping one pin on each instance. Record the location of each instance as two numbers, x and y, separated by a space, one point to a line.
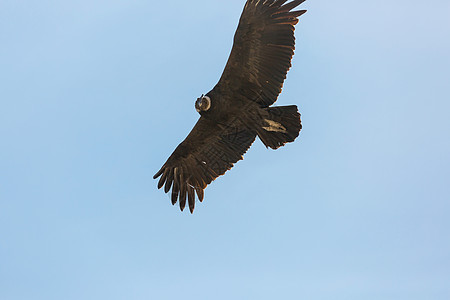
208 151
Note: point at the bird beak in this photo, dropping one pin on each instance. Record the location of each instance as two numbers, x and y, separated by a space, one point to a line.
197 104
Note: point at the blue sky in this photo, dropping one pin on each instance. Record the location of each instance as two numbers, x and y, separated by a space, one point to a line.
95 95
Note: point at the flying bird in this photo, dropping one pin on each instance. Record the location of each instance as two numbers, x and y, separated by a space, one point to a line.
238 108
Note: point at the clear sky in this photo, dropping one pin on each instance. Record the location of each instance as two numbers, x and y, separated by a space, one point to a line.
95 95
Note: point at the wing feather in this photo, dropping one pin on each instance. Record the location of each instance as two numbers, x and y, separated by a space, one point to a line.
207 152
169 181
191 198
291 5
263 47
182 190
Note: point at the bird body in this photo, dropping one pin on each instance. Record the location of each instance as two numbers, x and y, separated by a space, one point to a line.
238 108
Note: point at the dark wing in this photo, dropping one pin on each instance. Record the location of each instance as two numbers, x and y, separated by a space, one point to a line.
208 151
262 51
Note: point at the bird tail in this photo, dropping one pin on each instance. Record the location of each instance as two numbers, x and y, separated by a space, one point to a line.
281 125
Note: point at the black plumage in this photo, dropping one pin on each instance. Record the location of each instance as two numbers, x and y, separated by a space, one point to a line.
237 109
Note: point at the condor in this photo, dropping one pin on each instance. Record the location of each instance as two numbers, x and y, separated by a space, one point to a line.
238 108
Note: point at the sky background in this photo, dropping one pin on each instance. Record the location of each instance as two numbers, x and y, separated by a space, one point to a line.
95 95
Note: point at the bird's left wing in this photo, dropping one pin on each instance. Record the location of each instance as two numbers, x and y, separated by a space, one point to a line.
208 151
263 47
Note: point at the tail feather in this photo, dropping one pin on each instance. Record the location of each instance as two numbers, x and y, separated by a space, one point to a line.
282 126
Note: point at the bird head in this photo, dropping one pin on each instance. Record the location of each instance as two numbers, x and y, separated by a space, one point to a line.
202 104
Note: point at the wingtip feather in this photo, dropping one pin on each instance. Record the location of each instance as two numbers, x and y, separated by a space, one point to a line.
163 178
174 196
291 5
200 194
158 173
